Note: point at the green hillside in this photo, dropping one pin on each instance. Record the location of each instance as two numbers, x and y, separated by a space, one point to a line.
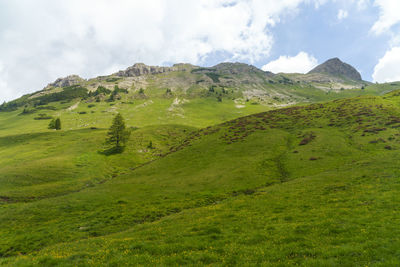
313 185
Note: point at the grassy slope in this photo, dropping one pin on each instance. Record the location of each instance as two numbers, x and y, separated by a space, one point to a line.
243 192
55 163
36 162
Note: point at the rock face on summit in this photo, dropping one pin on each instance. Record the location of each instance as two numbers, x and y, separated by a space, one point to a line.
336 67
237 68
141 69
66 81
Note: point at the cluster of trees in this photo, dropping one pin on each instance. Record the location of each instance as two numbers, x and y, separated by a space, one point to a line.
115 94
15 104
67 94
100 90
219 91
55 124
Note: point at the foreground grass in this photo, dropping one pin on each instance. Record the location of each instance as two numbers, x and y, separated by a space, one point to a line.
325 220
244 192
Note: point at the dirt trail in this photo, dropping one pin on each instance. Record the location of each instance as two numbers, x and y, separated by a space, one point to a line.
74 106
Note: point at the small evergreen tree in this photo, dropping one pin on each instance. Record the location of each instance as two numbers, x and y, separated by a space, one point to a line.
118 135
57 124
52 124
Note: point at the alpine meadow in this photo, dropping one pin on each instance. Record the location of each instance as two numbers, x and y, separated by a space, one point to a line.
227 164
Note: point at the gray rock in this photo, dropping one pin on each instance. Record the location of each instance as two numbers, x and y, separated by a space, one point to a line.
336 67
66 81
140 69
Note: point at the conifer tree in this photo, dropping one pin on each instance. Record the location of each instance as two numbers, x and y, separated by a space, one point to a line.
118 135
57 124
52 124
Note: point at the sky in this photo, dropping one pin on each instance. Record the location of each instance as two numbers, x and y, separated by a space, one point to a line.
43 40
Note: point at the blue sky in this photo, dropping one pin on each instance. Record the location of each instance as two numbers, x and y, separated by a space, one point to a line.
320 33
45 39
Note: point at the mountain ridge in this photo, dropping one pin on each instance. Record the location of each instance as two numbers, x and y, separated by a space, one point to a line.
236 81
141 69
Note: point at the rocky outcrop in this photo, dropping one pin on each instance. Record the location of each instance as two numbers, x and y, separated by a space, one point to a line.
66 81
142 69
236 68
336 67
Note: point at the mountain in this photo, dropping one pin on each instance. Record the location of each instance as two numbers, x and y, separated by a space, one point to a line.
225 165
231 81
336 67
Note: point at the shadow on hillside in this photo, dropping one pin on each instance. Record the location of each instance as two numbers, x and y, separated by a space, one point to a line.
112 151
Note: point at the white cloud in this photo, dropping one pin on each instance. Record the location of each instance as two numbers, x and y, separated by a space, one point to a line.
301 63
362 4
91 37
5 90
388 67
388 15
319 3
342 14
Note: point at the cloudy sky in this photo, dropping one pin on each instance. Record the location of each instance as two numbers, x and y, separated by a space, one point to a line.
41 40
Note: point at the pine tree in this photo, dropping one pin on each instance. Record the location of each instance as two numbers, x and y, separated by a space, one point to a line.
52 124
118 135
57 124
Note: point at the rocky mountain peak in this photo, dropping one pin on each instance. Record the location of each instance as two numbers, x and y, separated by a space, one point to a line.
336 67
139 69
236 68
66 81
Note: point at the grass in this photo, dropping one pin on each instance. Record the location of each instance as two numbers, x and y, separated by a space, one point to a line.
248 191
58 162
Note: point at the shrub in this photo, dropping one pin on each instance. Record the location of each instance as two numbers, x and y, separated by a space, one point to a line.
150 145
307 138
112 79
43 116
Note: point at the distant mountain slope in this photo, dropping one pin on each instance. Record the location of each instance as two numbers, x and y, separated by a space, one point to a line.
235 81
336 67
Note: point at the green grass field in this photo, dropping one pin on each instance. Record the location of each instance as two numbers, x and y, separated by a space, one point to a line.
313 185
